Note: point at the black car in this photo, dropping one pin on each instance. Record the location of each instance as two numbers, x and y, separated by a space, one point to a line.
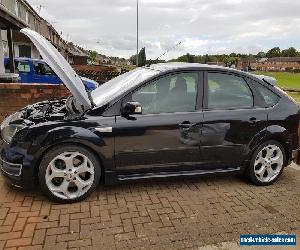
165 120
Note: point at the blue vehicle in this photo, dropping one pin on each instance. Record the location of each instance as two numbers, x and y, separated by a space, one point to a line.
37 71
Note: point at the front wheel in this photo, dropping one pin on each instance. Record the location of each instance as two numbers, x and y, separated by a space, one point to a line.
267 163
69 173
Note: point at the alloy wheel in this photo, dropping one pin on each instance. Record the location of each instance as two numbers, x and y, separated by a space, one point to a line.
268 163
70 175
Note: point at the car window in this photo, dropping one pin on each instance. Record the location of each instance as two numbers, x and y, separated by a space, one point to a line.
228 91
174 93
22 67
268 96
42 69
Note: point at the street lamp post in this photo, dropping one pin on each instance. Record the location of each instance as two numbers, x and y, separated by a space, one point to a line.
137 33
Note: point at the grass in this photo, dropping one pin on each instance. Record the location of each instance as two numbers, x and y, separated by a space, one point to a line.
296 96
286 80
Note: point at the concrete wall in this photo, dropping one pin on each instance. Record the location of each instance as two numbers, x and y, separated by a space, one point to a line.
13 97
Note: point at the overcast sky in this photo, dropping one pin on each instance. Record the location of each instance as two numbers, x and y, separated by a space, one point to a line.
203 26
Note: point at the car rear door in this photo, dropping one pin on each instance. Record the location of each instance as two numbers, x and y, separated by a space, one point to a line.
232 120
167 135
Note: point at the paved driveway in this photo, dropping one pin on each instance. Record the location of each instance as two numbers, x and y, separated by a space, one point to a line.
181 214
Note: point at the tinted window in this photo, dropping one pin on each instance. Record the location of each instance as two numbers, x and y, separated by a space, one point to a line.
175 93
22 67
270 99
42 69
228 91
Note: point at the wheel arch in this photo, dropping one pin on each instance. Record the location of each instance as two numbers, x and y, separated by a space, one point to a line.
274 133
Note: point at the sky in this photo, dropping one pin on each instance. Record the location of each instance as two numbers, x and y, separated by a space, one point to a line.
202 26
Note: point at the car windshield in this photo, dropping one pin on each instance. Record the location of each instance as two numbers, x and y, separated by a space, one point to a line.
117 86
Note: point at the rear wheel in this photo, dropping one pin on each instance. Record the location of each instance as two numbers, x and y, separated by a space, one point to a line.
69 174
267 163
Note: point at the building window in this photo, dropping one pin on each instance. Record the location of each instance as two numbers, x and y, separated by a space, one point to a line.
5 48
17 8
25 51
27 17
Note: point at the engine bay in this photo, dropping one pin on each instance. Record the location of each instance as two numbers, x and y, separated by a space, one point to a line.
52 110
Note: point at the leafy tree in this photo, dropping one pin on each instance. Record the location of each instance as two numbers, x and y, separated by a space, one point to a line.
274 52
132 59
230 60
261 54
154 61
93 56
199 59
290 52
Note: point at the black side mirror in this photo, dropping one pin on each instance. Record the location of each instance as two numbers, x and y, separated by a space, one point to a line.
131 108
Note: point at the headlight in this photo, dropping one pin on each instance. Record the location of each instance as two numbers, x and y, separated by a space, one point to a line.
9 131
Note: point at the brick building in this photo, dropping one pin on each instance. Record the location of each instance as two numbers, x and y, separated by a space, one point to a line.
271 64
15 15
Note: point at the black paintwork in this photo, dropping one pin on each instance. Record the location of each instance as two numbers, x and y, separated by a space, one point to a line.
161 145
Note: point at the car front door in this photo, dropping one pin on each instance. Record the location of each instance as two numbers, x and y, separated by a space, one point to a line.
167 134
231 120
24 70
44 74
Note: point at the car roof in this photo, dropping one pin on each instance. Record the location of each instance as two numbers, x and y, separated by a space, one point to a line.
175 66
167 67
25 59
29 59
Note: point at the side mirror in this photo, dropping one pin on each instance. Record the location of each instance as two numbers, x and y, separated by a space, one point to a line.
131 108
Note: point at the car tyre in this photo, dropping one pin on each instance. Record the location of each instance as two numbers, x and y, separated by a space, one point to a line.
69 174
267 163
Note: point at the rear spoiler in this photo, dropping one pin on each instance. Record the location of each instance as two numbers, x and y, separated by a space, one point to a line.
267 79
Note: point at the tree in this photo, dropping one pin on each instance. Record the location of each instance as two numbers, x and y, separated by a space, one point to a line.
132 59
290 52
93 56
261 54
230 60
274 52
142 58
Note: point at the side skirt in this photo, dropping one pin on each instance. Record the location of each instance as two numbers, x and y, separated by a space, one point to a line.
114 178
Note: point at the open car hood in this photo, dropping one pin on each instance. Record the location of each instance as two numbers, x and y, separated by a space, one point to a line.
61 67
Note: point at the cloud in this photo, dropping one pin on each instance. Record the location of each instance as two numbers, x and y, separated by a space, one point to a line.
202 26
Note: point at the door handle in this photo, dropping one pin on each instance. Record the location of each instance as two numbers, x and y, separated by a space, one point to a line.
253 120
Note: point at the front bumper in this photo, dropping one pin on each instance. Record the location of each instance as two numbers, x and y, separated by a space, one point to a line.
296 156
13 168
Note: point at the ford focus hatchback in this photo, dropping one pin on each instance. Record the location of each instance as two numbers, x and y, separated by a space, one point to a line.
161 121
